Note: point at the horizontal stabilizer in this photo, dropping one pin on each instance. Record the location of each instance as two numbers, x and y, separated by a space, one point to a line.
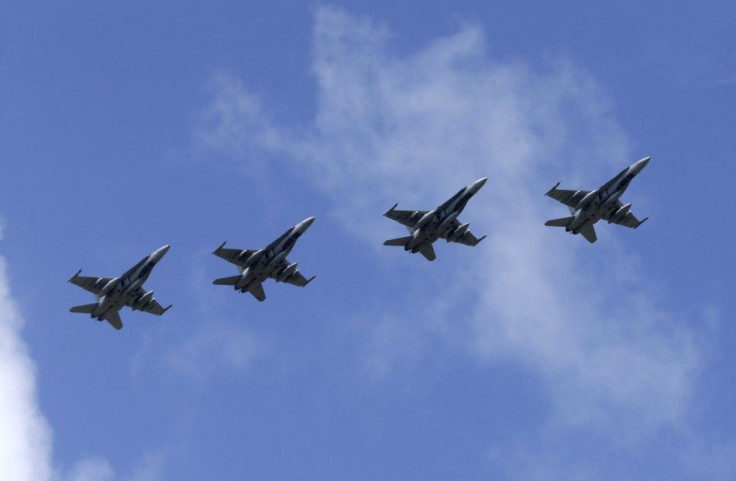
588 231
227 281
399 241
85 309
113 317
428 252
561 222
258 292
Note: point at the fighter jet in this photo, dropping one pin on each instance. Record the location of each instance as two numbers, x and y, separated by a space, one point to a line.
115 293
588 207
426 227
256 266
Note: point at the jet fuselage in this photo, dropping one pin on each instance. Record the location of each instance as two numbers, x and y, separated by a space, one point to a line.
264 263
601 202
436 223
124 290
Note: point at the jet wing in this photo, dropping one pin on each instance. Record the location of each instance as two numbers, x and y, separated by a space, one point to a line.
236 256
570 198
467 238
407 217
155 308
296 278
152 307
91 284
629 220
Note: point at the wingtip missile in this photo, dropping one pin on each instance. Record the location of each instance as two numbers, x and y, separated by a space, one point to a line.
642 221
218 249
479 240
166 309
553 188
75 275
310 280
391 209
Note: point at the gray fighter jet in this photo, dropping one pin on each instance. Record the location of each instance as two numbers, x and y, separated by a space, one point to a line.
256 266
588 207
115 293
428 226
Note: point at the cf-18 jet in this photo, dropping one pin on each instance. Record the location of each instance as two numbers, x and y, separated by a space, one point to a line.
428 226
113 293
256 266
588 207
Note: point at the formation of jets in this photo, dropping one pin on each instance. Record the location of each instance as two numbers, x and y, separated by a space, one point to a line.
425 227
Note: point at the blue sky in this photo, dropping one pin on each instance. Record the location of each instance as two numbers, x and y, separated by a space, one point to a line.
534 356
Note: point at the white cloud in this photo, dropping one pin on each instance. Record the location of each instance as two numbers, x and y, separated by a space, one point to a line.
415 129
25 437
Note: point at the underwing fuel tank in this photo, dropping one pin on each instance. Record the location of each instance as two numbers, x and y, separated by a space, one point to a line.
459 232
426 218
144 299
253 257
289 270
133 286
448 221
277 259
586 200
620 213
612 199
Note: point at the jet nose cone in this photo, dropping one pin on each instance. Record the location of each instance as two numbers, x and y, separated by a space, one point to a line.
475 186
161 251
643 162
304 225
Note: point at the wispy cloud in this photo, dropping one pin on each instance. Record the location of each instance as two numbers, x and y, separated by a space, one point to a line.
614 362
211 350
92 469
150 468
